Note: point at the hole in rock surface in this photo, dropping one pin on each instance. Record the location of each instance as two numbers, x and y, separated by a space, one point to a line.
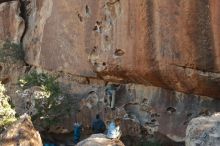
155 115
189 115
80 17
171 110
87 9
119 52
5 80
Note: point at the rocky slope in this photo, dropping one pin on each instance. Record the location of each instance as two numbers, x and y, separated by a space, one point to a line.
170 47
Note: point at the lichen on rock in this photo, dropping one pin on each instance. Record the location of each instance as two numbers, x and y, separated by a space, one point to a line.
7 114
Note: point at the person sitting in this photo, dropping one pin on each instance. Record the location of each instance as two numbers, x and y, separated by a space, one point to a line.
98 126
114 131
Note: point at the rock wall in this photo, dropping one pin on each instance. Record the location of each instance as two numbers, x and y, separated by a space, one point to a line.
146 107
170 44
11 24
171 47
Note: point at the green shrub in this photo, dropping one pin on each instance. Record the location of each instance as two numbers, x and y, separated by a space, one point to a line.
7 114
47 82
51 104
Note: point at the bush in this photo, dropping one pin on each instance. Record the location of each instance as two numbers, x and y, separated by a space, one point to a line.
47 82
51 104
7 114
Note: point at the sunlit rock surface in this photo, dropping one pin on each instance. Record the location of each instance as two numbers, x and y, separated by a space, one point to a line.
21 133
204 131
170 47
170 44
99 140
11 24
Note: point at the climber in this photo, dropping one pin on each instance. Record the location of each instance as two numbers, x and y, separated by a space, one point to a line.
76 132
110 92
114 131
98 126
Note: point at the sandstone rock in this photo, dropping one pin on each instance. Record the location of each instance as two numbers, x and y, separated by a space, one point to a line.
99 140
21 133
204 131
170 44
11 24
147 108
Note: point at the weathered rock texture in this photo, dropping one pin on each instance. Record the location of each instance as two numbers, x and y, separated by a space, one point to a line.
11 31
204 131
143 110
99 140
172 44
11 24
21 133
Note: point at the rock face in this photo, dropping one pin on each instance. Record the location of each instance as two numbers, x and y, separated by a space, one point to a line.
204 131
145 109
11 24
99 140
21 133
170 44
11 30
171 47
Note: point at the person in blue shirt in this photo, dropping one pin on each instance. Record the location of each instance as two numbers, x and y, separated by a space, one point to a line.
76 132
98 126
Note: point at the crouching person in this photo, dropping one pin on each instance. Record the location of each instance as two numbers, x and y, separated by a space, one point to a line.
98 126
114 131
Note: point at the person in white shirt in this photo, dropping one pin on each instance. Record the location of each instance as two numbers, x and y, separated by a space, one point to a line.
114 131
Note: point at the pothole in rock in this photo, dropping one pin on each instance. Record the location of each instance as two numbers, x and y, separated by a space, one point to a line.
119 52
171 110
5 80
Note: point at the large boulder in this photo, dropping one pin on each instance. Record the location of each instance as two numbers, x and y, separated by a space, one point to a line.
99 140
21 133
204 131
170 44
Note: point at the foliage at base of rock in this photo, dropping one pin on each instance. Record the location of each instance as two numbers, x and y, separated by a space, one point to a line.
47 82
44 100
7 114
